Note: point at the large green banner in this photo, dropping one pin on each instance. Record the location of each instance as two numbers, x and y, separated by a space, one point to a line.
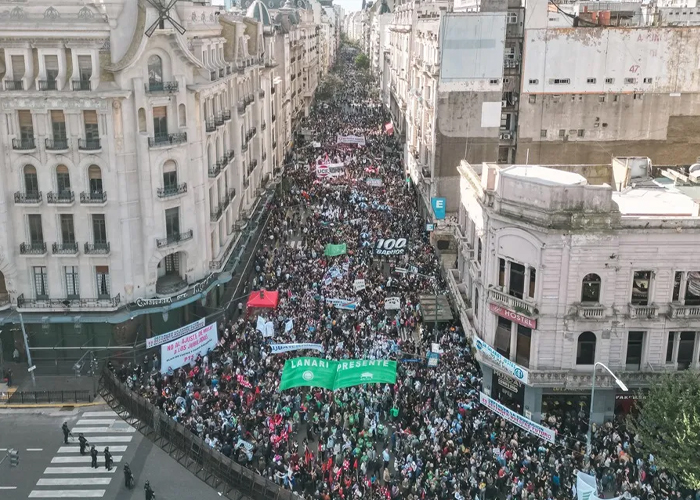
334 250
329 374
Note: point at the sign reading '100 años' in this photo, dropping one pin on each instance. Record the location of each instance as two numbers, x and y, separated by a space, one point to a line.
391 246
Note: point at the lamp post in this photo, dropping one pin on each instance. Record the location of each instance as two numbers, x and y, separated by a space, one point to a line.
621 385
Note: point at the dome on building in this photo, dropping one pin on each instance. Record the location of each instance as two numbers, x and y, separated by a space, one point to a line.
259 12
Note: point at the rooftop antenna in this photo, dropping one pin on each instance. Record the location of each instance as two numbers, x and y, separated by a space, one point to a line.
163 7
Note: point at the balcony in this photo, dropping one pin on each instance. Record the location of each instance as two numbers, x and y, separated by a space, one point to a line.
167 140
272 91
230 155
89 144
590 311
36 248
93 197
174 239
211 125
261 93
69 303
264 156
246 183
217 213
274 144
244 147
219 120
263 126
14 85
173 190
24 144
161 87
48 85
241 107
81 85
100 248
679 311
64 248
518 305
274 117
60 198
214 170
170 284
639 311
226 115
222 72
28 197
56 144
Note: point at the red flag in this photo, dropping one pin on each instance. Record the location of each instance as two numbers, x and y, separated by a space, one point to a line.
308 456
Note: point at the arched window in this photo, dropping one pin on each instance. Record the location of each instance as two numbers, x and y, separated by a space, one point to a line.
585 349
62 180
142 121
31 181
170 176
590 289
155 70
182 114
95 179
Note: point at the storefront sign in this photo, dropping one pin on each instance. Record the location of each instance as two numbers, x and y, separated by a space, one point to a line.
438 205
508 391
516 419
430 227
391 246
513 316
194 290
493 356
186 349
175 334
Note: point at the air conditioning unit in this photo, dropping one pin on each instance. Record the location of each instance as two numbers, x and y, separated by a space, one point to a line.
504 104
506 136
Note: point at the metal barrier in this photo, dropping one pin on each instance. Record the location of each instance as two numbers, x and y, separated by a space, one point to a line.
211 466
38 397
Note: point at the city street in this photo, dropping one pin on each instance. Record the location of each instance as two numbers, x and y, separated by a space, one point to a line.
50 469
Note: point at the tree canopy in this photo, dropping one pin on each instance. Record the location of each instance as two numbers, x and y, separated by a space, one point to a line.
668 426
362 61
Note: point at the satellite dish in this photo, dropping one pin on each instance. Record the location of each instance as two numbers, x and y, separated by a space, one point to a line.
163 7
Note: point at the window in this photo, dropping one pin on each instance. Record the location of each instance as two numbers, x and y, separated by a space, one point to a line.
590 290
543 133
99 229
92 131
502 341
601 98
17 67
70 274
170 176
635 341
182 113
517 280
533 81
51 63
476 302
26 126
522 351
31 181
478 250
641 284
580 132
172 221
637 97
648 80
155 69
532 99
585 349
85 68
58 125
562 132
62 180
41 286
102 275
95 178
36 231
630 80
494 81
533 281
616 98
501 272
512 18
160 121
67 229
686 347
591 80
669 346
142 121
559 81
609 80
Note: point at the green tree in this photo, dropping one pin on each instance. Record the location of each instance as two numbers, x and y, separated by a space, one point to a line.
668 426
362 61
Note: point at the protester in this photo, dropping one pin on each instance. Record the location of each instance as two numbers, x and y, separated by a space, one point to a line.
425 437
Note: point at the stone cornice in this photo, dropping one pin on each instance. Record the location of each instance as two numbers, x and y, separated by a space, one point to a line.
40 100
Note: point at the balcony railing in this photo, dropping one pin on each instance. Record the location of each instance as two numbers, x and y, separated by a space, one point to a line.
682 311
264 156
639 311
70 303
36 248
230 155
241 107
217 213
244 147
214 170
62 197
93 197
28 197
175 238
174 190
99 248
210 125
219 120
261 93
48 85
81 85
167 139
274 144
519 305
56 144
272 90
89 144
274 117
263 126
64 248
166 87
23 144
246 183
14 85
590 311
226 115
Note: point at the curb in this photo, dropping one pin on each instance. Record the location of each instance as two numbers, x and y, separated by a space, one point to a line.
51 405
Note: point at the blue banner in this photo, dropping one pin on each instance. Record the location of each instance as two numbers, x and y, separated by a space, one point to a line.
438 207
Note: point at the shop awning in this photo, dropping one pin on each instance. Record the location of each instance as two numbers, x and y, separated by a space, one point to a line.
265 299
435 306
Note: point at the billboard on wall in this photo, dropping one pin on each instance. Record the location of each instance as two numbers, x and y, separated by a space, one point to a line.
516 317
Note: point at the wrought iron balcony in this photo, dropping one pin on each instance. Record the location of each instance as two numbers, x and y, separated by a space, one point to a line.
274 117
175 238
261 93
48 85
165 87
28 197
56 144
210 125
241 107
60 198
230 155
214 170
244 147
263 126
226 115
13 85
167 140
99 248
35 248
89 144
81 85
69 302
272 91
217 213
246 183
264 156
64 248
221 72
172 190
23 144
219 120
93 197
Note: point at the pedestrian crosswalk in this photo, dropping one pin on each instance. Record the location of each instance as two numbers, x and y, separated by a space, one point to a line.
69 474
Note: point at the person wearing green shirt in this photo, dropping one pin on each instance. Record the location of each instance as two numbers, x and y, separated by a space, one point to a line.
394 412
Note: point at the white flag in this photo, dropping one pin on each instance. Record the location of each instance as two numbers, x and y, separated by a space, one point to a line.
288 326
261 325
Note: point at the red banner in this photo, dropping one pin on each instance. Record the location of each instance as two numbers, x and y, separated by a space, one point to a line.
513 316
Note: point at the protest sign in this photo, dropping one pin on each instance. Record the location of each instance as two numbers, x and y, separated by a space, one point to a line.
330 170
492 356
517 419
185 350
269 330
374 182
392 303
335 250
359 285
278 348
348 305
391 246
261 325
358 140
329 374
175 334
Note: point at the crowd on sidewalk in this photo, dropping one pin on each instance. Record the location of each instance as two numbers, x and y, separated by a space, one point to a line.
426 437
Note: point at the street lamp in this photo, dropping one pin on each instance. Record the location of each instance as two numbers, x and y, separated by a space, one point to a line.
620 384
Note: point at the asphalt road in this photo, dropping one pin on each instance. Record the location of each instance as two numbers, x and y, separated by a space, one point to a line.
50 469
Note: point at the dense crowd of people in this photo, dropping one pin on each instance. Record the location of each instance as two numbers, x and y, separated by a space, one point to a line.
427 436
